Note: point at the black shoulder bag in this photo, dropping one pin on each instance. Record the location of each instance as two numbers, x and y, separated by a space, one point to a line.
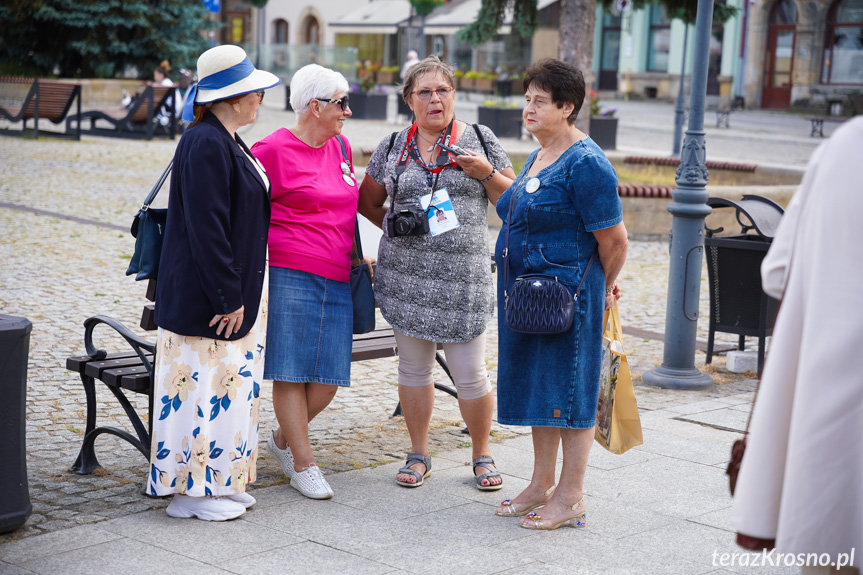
148 229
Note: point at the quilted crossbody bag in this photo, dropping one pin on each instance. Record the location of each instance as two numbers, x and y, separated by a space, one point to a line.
537 303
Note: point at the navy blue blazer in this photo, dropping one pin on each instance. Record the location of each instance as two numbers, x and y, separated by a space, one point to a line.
215 247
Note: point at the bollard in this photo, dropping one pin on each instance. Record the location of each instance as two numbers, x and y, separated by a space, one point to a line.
15 505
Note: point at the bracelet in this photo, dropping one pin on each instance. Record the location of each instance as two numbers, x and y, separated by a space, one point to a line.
610 290
490 176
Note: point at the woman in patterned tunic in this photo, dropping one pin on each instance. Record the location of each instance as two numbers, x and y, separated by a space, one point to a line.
435 287
211 299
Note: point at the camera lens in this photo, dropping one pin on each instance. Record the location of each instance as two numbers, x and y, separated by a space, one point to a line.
404 225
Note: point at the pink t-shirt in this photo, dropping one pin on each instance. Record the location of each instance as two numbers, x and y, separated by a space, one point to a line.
313 206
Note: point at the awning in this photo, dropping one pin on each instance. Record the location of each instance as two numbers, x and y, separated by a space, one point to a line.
376 17
451 18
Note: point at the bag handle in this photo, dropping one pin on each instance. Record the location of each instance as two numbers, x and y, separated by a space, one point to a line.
506 242
152 195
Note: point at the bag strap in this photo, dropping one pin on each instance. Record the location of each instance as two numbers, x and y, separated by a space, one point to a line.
152 195
506 241
481 139
392 143
357 239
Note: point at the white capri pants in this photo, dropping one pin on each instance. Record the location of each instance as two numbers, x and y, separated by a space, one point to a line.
466 363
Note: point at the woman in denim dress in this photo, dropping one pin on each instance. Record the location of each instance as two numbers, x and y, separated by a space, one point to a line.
565 208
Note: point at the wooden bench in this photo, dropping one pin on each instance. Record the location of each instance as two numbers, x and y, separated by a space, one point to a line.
139 120
818 124
46 99
133 370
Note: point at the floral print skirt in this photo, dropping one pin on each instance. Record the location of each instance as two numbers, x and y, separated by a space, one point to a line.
205 412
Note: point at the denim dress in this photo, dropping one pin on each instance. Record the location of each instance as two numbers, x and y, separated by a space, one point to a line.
553 380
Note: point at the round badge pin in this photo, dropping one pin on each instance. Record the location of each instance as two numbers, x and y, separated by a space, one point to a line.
348 180
345 168
532 185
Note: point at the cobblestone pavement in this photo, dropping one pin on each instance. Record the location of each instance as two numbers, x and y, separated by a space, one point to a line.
57 272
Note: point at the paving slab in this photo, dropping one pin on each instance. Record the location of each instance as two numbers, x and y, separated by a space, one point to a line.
119 556
305 558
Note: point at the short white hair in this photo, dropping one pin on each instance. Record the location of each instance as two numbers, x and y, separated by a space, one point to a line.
314 81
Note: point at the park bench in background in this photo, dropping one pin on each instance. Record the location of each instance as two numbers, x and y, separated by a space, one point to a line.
132 370
138 120
46 99
818 124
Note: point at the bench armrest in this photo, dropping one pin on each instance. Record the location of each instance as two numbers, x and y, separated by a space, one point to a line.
141 346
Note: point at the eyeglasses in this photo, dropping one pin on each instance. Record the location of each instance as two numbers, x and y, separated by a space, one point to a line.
260 94
342 102
425 95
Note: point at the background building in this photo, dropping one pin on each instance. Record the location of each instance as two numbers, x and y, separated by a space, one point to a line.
772 54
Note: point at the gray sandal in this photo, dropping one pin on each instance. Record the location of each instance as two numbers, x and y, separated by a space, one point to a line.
478 462
413 459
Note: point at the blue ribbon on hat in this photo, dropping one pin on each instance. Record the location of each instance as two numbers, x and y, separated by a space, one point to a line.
217 81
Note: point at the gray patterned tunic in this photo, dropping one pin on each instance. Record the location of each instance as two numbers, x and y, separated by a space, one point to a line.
437 288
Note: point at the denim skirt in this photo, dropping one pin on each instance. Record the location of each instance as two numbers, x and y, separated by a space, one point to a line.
309 329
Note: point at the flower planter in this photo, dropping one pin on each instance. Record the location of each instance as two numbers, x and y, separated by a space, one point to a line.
603 131
368 105
386 78
484 86
504 122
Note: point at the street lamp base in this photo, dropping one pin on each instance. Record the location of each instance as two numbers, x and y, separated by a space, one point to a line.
677 378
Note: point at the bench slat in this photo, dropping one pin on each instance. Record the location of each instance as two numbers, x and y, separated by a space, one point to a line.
95 369
79 362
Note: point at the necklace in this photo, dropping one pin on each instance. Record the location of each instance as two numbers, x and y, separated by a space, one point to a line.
545 153
432 142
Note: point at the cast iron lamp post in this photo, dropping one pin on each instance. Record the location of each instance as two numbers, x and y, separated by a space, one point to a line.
689 209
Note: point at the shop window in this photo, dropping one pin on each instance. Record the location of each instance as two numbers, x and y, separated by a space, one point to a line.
843 46
280 32
659 40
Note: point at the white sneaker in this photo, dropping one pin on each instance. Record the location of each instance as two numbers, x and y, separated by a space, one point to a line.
283 456
243 499
206 508
311 483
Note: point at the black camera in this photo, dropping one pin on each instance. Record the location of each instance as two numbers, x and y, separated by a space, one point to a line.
409 221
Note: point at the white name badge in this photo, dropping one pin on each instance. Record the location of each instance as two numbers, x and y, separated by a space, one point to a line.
440 212
532 185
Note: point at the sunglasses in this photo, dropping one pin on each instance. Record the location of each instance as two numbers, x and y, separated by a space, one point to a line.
260 94
342 102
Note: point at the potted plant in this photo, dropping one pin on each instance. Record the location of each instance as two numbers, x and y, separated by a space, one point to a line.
484 83
368 101
503 118
469 80
388 75
603 124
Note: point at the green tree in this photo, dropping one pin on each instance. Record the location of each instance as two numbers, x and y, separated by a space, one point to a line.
100 38
577 22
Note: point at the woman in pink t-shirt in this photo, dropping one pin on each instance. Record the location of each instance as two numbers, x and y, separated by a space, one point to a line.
314 204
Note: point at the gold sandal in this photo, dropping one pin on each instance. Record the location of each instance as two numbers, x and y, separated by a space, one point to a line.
578 520
511 510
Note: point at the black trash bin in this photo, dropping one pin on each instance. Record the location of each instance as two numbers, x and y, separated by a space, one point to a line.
15 505
738 303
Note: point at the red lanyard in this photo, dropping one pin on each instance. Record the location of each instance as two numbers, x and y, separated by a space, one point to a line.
411 149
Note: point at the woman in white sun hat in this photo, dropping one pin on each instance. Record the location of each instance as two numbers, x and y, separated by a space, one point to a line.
211 299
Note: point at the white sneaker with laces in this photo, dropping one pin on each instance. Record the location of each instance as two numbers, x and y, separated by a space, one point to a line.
243 499
206 508
311 483
283 456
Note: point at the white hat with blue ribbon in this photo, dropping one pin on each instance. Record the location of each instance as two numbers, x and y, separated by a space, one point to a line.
224 72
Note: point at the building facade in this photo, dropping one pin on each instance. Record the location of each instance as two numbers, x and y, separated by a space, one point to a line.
771 54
